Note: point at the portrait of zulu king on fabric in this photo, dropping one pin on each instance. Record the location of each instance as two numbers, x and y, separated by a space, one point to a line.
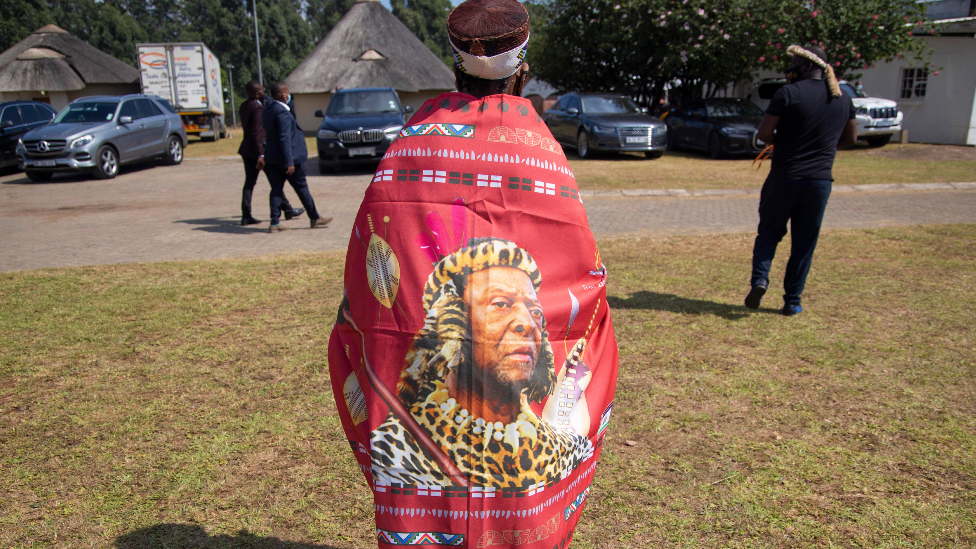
473 359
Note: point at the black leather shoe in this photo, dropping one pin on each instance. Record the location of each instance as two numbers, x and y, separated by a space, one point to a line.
249 221
754 299
294 212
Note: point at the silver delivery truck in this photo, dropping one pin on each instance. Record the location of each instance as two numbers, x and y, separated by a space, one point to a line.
187 74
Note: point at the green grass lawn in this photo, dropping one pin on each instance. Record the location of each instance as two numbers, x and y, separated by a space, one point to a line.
189 405
689 170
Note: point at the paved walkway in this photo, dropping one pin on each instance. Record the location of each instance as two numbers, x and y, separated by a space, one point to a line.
159 213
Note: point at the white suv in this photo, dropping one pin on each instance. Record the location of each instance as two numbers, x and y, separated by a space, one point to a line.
877 119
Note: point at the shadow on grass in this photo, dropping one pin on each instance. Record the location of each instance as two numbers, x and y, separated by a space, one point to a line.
226 225
185 536
656 301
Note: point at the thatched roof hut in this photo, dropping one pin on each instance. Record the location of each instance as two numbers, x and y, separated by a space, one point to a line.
369 47
55 66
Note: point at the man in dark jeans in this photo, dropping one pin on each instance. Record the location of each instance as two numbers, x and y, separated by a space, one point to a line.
285 154
252 151
808 120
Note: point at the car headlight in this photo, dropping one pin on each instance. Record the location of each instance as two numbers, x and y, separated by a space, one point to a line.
81 141
20 144
393 131
328 134
604 129
863 111
736 132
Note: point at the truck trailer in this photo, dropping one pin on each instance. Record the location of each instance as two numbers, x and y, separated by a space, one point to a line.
187 74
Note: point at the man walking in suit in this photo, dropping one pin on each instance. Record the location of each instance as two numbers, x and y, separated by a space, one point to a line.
285 154
252 151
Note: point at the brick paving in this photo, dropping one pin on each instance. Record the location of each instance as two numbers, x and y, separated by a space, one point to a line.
161 213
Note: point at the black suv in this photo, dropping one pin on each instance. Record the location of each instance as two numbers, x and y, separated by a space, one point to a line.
16 119
359 125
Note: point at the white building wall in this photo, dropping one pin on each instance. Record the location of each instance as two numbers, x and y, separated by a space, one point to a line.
947 113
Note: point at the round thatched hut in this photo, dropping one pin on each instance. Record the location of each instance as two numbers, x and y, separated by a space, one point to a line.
369 47
55 67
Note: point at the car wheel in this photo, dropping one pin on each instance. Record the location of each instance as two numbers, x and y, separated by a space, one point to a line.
583 145
38 176
174 151
879 140
106 163
715 147
653 155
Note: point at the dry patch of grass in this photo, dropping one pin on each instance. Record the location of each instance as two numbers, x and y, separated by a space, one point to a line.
189 404
689 170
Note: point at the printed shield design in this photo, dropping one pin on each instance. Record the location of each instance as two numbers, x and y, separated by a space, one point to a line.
382 271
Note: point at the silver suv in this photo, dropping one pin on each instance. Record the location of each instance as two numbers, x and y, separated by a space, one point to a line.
98 134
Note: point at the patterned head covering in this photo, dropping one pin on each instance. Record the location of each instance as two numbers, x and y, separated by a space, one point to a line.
489 37
444 341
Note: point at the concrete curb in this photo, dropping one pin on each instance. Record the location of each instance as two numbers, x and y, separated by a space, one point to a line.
880 187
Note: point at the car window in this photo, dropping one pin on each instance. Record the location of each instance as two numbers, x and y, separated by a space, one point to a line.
165 104
727 108
851 91
693 109
363 102
130 109
574 103
560 105
609 105
11 116
87 111
147 109
44 112
30 114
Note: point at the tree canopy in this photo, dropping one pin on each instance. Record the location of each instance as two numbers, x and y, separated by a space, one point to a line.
700 47
637 47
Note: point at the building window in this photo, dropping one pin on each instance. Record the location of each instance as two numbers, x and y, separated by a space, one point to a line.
913 82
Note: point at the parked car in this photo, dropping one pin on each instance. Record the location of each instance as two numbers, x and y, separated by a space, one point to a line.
358 126
16 119
877 119
719 126
100 133
605 122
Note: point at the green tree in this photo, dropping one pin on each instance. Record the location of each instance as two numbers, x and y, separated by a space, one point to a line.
427 19
322 15
19 18
700 47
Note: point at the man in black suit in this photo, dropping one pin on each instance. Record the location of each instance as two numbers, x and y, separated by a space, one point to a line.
252 151
285 154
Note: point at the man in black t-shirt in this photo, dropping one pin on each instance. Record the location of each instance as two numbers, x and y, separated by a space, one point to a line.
808 120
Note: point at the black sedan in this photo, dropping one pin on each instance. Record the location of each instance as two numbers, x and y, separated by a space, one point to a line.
718 126
605 122
16 119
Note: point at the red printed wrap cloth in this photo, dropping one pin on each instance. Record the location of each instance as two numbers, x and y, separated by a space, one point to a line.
473 360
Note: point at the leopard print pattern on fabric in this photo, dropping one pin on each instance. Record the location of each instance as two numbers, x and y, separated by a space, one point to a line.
529 451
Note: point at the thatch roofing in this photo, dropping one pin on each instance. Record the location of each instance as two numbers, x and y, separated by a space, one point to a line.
370 47
51 59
